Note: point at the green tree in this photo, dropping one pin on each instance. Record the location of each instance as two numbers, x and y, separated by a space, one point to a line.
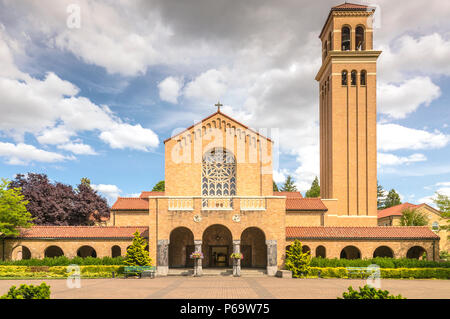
297 261
85 181
392 199
288 185
314 191
443 203
137 254
159 187
28 292
412 217
13 211
380 196
275 187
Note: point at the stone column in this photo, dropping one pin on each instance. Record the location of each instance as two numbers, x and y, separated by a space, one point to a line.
271 257
162 255
236 262
198 265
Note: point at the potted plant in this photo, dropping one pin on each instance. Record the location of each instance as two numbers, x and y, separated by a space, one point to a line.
236 257
196 255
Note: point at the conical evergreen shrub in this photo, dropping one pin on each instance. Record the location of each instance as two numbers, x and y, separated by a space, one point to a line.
297 261
137 255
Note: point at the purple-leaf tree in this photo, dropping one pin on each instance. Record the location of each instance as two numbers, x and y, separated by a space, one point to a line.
60 204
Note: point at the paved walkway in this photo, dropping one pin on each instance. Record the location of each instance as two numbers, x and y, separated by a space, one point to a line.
229 287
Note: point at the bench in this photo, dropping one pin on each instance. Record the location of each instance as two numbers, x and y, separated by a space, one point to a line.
141 271
360 271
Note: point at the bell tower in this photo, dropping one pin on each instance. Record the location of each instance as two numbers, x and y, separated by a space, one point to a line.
347 84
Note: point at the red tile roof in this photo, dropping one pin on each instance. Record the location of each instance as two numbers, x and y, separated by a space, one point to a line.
376 232
288 194
350 6
305 204
130 203
82 231
396 210
146 194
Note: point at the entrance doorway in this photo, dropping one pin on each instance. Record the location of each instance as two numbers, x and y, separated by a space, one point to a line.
217 245
218 256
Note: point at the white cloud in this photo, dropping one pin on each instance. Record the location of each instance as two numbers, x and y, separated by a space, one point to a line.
427 54
111 192
398 101
20 154
391 159
50 109
78 148
393 137
169 89
208 86
279 176
130 136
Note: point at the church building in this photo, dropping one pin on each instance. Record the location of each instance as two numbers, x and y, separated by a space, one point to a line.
219 196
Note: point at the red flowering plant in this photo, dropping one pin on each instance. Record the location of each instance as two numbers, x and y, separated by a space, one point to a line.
197 255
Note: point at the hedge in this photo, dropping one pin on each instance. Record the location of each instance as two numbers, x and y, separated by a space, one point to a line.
382 262
91 271
64 261
415 273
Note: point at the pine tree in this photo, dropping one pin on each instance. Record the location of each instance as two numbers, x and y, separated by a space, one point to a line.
159 187
288 185
275 187
314 191
380 196
137 255
297 261
392 199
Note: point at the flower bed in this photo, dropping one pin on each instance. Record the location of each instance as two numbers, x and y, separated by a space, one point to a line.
92 271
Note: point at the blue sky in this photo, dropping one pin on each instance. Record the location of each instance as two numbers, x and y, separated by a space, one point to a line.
99 100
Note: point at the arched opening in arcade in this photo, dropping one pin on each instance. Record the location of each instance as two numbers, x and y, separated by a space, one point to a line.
116 251
321 251
20 253
416 252
350 252
86 251
253 248
383 251
53 251
217 246
181 245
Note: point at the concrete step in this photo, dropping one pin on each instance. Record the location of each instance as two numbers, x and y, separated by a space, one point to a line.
245 272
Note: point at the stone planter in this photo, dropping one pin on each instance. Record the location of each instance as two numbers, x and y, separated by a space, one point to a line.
197 267
236 267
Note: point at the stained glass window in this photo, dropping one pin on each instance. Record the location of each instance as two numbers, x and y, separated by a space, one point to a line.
218 173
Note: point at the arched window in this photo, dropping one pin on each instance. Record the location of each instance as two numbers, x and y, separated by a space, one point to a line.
363 77
359 39
344 77
353 77
435 226
218 173
345 39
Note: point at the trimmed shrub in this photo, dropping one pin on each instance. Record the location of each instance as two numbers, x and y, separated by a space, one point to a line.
368 292
382 262
297 261
28 292
91 271
64 261
414 273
